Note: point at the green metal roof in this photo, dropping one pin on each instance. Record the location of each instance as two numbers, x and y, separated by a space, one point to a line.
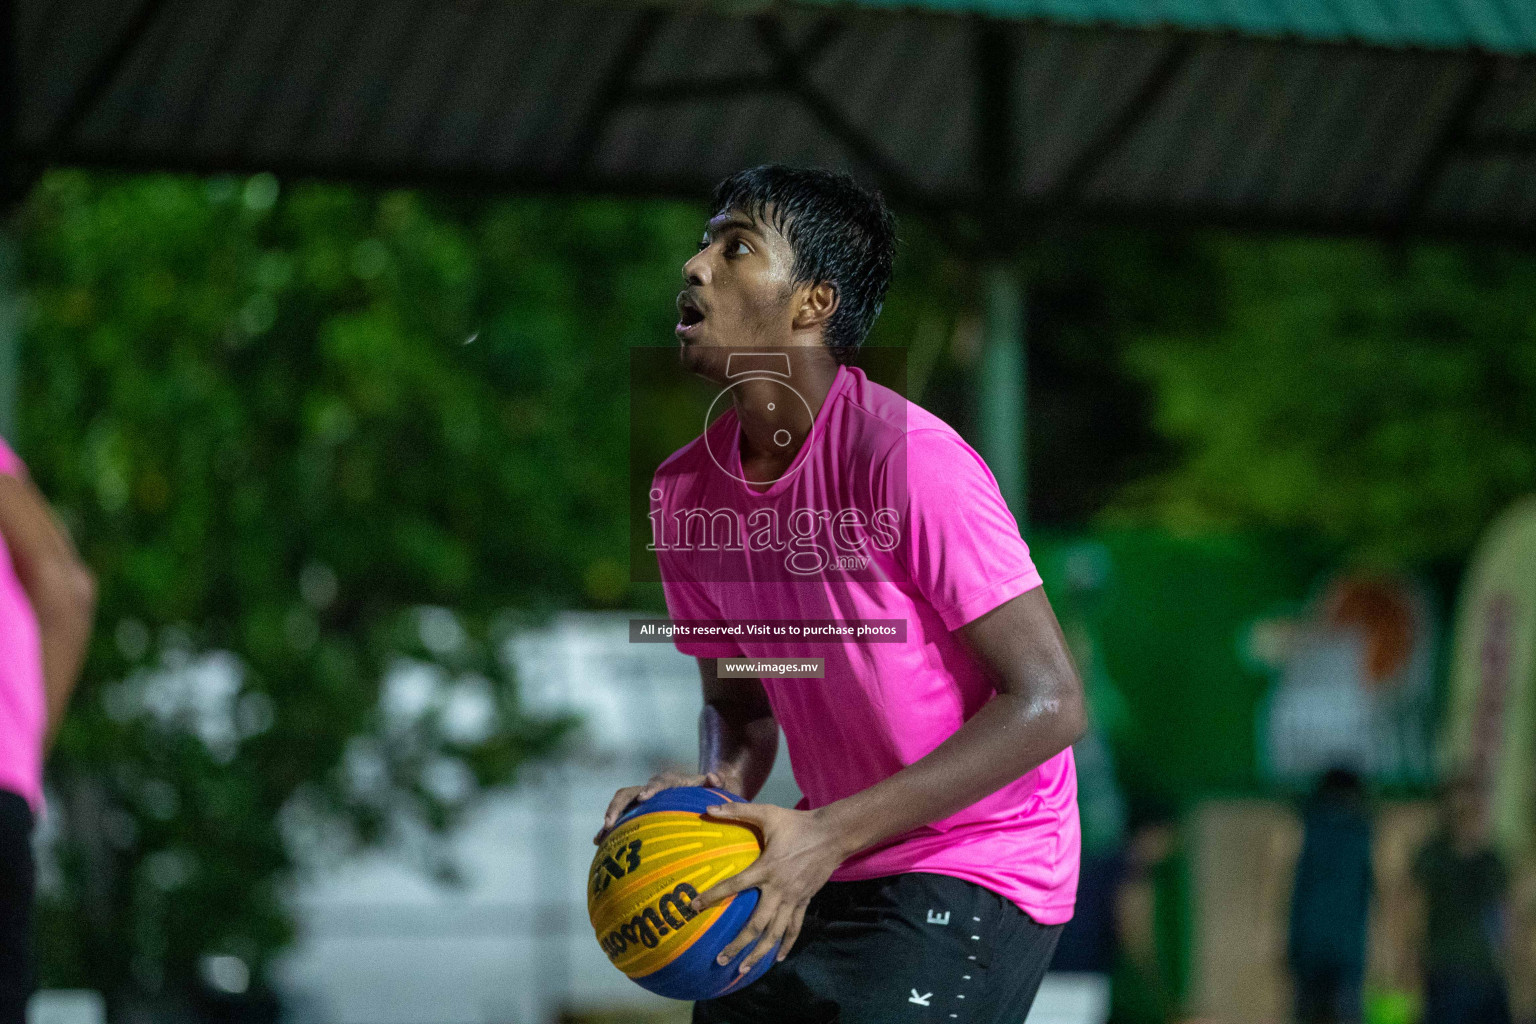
1357 116
1505 26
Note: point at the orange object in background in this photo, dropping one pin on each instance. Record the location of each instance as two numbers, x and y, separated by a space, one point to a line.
1383 612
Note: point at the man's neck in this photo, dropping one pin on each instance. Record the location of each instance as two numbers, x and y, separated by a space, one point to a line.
774 424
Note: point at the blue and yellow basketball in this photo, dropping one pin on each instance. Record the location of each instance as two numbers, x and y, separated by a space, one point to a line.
660 855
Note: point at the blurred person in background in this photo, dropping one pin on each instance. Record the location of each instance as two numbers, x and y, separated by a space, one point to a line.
47 600
1152 908
1330 902
1465 887
1090 943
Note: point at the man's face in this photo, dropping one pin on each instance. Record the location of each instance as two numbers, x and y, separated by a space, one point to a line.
740 293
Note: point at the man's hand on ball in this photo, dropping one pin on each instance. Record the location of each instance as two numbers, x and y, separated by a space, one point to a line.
800 852
661 780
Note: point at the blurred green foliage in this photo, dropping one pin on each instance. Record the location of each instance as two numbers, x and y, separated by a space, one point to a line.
318 440
331 433
315 441
1380 397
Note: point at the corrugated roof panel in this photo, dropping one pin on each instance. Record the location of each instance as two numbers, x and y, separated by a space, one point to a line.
284 110
1076 87
1241 129
1204 94
356 92
146 93
1345 156
1310 166
221 90
427 71
1476 191
1254 123
559 67
1270 142
1379 170
1209 169
646 145
487 116
876 81
235 85
1507 108
1521 208
1432 23
154 101
701 46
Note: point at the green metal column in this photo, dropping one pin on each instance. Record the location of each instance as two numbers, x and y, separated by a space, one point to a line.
1002 387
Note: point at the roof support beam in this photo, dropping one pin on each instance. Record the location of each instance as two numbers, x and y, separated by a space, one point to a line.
822 35
609 98
792 79
1452 135
95 85
1093 156
682 90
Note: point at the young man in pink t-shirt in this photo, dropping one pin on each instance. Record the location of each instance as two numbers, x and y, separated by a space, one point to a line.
47 599
927 872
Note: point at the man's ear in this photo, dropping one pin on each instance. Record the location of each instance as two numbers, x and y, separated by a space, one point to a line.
816 305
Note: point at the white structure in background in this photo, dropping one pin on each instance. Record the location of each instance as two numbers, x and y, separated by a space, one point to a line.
381 944
1328 708
1071 999
67 1006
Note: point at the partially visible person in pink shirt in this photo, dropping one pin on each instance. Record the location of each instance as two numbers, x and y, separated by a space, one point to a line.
47 601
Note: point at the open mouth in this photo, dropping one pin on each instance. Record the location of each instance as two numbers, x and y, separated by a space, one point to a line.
689 316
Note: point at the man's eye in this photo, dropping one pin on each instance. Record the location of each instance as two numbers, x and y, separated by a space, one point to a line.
703 244
742 249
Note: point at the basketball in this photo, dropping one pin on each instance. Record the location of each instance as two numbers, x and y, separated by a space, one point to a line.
658 857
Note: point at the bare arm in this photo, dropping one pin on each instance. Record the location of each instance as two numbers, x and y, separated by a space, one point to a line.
61 589
738 735
1038 712
738 740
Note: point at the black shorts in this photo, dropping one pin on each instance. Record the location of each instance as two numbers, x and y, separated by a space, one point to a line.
16 882
905 948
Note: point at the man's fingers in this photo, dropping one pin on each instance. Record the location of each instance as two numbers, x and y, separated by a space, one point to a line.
622 799
792 933
661 781
761 918
723 890
753 813
772 935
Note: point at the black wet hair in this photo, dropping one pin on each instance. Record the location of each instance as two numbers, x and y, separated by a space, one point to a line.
840 231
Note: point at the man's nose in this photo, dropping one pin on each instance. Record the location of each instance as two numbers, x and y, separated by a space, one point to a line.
696 270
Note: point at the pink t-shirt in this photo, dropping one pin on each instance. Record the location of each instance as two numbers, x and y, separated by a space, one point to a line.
23 708
885 513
